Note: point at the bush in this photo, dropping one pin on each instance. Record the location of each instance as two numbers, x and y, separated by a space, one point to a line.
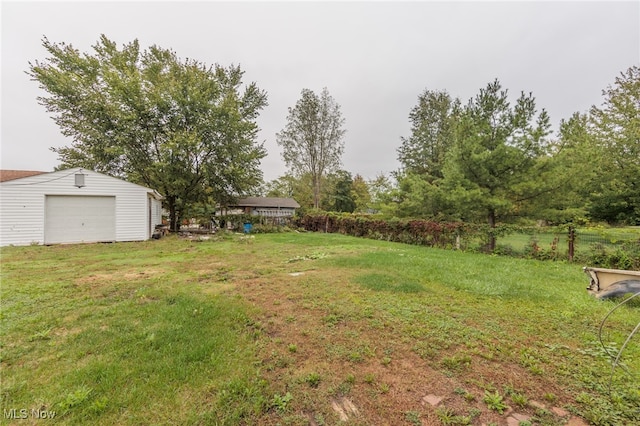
625 256
269 229
471 237
420 232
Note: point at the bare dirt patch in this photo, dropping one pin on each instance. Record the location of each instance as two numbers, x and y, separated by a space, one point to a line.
343 361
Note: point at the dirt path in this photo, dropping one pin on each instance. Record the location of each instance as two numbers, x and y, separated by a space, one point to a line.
342 361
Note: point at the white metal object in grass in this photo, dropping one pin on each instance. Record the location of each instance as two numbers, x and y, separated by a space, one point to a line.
612 282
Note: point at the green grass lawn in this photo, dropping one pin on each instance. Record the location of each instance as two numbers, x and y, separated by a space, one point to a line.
284 328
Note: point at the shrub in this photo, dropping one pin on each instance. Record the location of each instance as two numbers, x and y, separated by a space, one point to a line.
420 232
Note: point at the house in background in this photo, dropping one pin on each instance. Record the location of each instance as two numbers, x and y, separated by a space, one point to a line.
74 206
272 209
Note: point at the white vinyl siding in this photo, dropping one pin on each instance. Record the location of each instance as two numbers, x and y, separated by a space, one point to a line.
22 205
78 218
155 209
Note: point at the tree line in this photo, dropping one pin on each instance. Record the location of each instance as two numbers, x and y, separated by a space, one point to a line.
189 130
490 160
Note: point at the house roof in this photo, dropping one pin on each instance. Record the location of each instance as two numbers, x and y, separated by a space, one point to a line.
273 202
6 175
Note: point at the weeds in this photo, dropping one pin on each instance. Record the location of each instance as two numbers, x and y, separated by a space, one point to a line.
40 335
313 380
520 399
313 256
468 396
456 363
74 399
448 417
370 378
281 402
384 388
495 401
413 417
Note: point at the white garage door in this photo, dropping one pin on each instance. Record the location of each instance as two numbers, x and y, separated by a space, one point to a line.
75 219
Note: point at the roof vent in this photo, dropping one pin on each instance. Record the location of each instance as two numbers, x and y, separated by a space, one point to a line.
79 180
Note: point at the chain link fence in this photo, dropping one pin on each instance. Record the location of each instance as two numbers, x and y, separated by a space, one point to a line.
617 248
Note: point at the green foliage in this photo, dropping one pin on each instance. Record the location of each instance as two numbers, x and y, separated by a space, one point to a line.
619 250
448 417
422 232
237 400
519 399
433 121
493 161
417 197
382 193
313 379
624 256
615 128
360 194
413 417
74 399
180 127
281 402
495 401
494 164
343 194
456 362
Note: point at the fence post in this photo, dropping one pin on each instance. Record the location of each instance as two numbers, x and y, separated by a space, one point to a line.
572 242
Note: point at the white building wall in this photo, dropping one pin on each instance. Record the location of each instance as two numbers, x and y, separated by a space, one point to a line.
22 204
155 210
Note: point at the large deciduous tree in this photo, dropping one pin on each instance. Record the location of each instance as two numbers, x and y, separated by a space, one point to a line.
341 196
290 186
184 128
615 128
312 140
423 155
360 194
432 125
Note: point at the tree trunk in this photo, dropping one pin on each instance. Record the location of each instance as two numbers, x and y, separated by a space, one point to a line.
316 192
491 217
174 219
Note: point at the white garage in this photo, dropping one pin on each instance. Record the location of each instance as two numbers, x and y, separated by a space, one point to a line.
74 206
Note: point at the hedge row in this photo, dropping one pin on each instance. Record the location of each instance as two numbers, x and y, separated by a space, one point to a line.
420 232
460 235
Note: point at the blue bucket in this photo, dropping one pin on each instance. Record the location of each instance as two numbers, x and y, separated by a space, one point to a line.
247 228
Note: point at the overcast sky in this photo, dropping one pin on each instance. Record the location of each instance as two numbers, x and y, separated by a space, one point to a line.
375 58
